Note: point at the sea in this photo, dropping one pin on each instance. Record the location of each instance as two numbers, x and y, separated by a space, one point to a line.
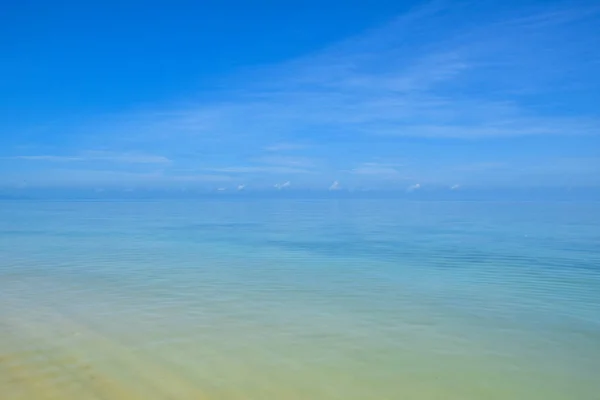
275 299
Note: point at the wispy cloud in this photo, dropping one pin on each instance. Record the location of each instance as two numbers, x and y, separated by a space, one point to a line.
460 77
48 158
82 177
283 185
377 169
259 169
279 147
126 158
198 178
288 161
442 72
271 164
414 187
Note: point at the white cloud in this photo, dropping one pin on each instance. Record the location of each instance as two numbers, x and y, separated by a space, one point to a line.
109 178
285 147
335 186
287 161
377 169
272 164
48 158
130 158
259 170
198 178
126 158
414 187
283 185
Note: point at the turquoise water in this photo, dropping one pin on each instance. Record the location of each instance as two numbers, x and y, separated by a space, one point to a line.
291 299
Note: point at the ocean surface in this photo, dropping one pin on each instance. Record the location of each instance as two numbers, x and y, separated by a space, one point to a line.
299 299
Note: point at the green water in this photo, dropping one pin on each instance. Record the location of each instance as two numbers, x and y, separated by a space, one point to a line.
289 299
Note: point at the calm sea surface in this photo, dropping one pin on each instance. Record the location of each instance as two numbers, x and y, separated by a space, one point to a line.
290 299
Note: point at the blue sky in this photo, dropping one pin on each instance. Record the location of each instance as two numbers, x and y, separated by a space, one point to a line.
300 94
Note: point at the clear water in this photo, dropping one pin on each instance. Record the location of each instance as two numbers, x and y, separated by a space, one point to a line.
289 299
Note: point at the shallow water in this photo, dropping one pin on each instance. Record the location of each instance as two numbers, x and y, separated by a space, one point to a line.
289 299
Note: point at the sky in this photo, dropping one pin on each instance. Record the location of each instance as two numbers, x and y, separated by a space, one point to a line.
282 95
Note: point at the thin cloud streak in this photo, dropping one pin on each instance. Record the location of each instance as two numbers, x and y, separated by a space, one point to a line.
259 169
283 147
126 158
376 169
110 178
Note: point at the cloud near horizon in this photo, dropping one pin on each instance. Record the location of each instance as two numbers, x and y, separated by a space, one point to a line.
127 158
